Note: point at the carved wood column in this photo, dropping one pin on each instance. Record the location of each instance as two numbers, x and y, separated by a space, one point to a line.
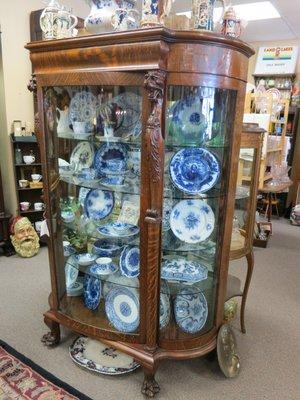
155 82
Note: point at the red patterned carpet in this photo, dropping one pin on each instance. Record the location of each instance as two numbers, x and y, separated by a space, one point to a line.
21 379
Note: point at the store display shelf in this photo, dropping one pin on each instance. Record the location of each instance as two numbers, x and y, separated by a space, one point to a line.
28 188
31 211
274 150
101 139
28 165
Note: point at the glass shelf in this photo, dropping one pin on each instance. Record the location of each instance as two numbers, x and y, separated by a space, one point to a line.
96 139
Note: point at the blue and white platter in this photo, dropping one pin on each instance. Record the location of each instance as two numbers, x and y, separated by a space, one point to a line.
83 108
71 272
82 156
122 308
98 204
111 158
183 270
186 121
192 221
130 261
118 230
190 310
103 267
100 358
91 292
194 170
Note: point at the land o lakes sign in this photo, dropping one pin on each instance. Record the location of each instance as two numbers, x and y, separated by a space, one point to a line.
276 60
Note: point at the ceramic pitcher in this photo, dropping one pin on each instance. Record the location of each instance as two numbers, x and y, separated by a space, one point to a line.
66 24
49 20
154 11
203 13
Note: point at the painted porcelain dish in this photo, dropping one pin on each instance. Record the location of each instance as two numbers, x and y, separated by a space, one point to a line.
122 308
104 248
97 357
118 230
103 267
192 221
82 156
71 272
183 270
194 170
83 108
111 158
130 261
91 292
85 259
190 310
98 204
186 121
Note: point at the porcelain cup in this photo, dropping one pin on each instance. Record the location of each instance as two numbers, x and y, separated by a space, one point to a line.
36 177
79 127
38 226
24 205
104 261
39 206
29 159
23 183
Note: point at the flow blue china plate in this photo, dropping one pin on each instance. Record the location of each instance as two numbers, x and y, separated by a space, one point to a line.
104 248
71 272
83 107
118 229
82 156
98 204
123 309
164 310
183 270
186 121
85 259
111 158
91 292
103 267
194 170
130 261
190 310
83 191
192 221
167 209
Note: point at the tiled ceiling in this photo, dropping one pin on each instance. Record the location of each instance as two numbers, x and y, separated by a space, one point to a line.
286 27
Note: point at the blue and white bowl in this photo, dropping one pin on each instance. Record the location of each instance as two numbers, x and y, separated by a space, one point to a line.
104 248
104 266
68 249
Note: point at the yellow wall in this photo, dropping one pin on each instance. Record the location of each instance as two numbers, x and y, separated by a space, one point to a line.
14 22
256 46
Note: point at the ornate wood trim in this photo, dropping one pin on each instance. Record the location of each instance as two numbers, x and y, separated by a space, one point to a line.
155 82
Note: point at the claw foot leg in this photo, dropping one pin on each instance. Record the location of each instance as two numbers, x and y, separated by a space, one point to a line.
51 338
150 387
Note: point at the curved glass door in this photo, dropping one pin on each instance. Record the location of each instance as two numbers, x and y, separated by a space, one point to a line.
199 124
94 141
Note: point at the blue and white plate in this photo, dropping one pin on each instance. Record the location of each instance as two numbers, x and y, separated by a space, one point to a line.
186 121
85 259
194 170
167 209
183 270
111 158
82 156
164 310
71 272
98 204
103 267
122 308
190 310
104 248
91 292
83 108
192 221
83 191
130 261
118 230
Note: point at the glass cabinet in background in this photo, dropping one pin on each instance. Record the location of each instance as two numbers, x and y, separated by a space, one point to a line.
140 135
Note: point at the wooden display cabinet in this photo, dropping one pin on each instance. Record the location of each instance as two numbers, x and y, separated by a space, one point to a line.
156 92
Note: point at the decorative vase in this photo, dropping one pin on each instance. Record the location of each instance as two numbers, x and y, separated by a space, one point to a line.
231 26
101 15
203 14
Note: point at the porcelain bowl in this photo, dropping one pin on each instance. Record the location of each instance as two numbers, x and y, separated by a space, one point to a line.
104 248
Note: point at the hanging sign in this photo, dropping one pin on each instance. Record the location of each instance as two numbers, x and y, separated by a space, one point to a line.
276 60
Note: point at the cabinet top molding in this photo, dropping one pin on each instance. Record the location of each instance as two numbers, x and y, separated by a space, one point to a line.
143 35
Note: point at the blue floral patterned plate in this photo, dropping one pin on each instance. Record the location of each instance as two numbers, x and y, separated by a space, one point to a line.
122 308
91 292
82 156
130 261
194 170
183 270
71 272
192 221
98 204
111 158
164 310
190 310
